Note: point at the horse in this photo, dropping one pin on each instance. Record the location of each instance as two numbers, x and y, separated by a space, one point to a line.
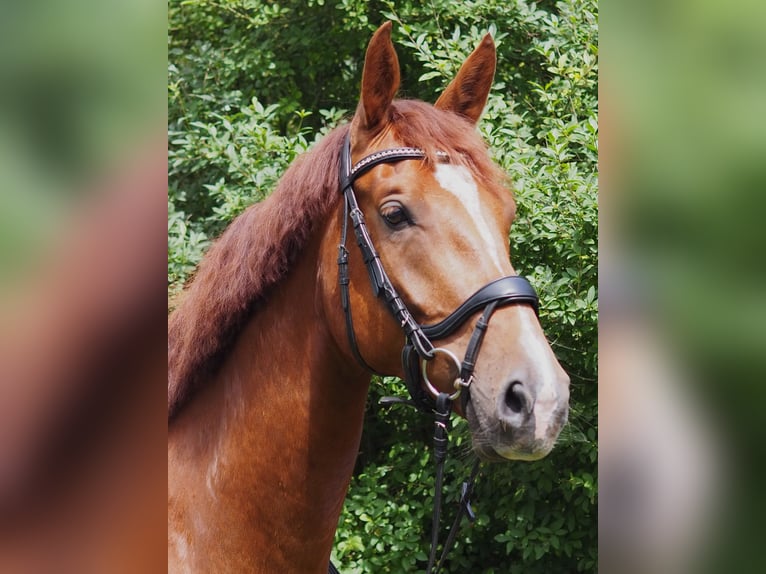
273 343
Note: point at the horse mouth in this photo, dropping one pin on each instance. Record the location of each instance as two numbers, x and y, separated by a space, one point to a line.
493 442
486 453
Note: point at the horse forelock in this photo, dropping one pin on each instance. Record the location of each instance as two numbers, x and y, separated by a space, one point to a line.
420 125
256 250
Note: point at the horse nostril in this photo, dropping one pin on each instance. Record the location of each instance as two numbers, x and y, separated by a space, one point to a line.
516 397
513 400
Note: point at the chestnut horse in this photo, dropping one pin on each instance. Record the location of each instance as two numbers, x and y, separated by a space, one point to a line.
268 376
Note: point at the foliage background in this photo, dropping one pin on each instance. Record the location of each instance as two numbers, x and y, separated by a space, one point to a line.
251 84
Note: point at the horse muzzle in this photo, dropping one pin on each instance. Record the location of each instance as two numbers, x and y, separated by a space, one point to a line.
513 424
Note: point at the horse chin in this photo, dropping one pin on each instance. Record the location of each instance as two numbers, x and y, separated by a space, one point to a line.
493 444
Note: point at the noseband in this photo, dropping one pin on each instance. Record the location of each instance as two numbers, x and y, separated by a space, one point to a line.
418 348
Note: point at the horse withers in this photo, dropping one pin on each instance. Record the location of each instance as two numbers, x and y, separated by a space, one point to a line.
272 346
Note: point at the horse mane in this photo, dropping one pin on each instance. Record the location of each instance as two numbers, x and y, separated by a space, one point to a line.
256 250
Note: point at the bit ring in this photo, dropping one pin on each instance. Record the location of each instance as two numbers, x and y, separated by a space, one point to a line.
458 385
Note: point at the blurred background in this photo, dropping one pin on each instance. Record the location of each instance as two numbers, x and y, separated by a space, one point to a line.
83 182
682 329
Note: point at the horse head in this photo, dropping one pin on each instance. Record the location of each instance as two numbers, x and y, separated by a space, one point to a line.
440 226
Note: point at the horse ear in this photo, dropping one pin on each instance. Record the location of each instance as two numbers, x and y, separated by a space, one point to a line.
380 79
467 93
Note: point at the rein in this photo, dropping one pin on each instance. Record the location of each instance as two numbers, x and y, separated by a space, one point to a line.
419 349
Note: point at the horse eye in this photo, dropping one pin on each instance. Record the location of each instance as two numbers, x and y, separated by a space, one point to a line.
395 216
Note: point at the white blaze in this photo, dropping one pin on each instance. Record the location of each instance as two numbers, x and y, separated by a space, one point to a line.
458 181
543 366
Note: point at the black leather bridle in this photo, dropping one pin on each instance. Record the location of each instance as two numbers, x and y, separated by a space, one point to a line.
418 347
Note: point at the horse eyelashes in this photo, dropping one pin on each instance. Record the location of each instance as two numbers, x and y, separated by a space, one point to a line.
396 217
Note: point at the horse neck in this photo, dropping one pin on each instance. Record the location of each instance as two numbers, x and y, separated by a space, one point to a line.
275 436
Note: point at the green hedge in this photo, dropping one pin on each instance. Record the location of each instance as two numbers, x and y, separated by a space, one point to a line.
251 84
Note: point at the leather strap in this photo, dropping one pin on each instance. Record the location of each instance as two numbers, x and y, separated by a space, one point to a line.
466 491
421 399
381 284
506 290
472 351
441 420
345 297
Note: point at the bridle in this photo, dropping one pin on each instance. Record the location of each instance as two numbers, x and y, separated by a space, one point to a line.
419 348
